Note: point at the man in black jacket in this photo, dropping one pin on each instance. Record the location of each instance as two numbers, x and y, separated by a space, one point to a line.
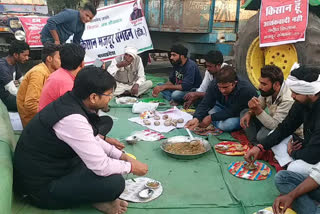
304 83
61 161
228 96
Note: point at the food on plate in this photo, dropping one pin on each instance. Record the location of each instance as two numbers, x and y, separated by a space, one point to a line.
180 120
131 100
250 166
173 123
167 123
156 123
239 147
147 122
185 148
210 128
197 129
165 117
222 147
264 172
152 184
157 117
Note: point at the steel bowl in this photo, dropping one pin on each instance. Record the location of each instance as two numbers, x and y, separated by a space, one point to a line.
179 139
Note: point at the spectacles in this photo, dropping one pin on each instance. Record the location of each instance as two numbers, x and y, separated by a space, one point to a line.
107 95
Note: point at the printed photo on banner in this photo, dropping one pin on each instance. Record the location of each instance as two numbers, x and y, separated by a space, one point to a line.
114 28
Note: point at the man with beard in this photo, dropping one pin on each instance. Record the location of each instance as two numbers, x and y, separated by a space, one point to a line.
10 76
275 95
185 76
304 83
137 13
214 63
225 98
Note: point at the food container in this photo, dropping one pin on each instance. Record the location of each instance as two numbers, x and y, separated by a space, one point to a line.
152 184
180 139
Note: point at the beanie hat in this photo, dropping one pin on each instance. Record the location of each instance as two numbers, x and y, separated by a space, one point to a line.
179 49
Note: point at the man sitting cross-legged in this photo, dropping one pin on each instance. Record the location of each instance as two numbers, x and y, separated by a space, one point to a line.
184 77
301 155
214 63
228 96
129 73
275 95
61 161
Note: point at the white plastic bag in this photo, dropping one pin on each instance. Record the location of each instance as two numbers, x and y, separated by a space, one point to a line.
140 107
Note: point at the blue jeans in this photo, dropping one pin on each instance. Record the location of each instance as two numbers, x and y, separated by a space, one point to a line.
227 125
287 181
175 95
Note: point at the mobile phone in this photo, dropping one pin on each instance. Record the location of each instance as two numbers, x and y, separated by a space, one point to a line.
98 63
296 138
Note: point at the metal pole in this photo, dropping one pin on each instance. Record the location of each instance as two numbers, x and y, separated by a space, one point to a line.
105 2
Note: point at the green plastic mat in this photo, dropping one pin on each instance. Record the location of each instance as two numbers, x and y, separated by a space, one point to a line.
199 186
156 80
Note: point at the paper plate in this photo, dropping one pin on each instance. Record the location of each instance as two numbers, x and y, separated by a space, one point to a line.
126 100
133 187
239 170
230 148
268 210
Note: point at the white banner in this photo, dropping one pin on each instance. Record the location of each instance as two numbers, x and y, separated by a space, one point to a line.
113 28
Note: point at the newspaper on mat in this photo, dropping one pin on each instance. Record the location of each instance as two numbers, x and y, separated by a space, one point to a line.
133 187
174 113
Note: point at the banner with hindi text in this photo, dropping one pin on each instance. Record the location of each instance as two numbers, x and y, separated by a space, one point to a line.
283 22
113 28
32 26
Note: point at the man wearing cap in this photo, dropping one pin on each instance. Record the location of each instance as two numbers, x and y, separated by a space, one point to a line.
185 76
299 156
128 71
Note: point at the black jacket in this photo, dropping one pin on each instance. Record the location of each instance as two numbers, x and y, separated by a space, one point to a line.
300 114
234 104
40 156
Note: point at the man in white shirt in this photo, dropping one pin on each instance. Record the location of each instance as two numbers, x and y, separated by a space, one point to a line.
214 63
128 71
10 77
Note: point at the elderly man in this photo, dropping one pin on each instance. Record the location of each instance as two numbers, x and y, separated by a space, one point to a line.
214 63
225 98
184 77
61 161
275 95
129 73
10 78
300 156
